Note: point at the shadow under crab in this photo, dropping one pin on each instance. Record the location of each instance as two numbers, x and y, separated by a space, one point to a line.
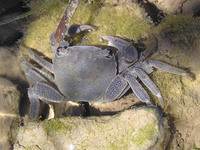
89 73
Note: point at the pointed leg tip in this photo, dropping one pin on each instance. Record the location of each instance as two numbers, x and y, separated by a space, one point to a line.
150 104
105 38
191 76
33 114
114 41
161 101
30 52
86 27
23 63
75 29
33 117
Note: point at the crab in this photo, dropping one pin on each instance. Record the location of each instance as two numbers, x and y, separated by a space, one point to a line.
92 74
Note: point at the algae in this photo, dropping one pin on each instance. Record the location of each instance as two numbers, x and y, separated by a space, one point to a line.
182 29
128 21
107 132
54 125
144 134
122 24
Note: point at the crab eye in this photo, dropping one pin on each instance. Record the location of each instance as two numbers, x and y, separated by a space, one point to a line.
60 51
107 53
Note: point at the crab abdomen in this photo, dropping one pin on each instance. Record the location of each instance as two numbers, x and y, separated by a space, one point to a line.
84 74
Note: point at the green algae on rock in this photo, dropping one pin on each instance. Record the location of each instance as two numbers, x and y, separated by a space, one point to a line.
178 44
141 127
128 20
182 29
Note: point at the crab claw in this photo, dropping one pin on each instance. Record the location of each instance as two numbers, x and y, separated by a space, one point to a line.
115 42
74 29
127 53
127 50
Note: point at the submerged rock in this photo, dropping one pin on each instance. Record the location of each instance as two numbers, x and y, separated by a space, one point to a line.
137 128
9 63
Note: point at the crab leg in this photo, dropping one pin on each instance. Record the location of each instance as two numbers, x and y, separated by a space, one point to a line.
33 76
31 73
124 91
167 68
139 91
149 84
47 93
117 86
47 65
35 104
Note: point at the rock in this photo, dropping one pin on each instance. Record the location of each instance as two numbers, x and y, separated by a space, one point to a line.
9 112
191 7
177 6
9 63
138 128
178 44
10 96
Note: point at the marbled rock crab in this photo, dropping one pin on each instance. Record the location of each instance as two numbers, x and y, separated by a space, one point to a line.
89 73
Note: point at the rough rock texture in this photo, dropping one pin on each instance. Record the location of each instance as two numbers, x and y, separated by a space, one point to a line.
177 6
9 110
138 128
10 96
9 63
178 44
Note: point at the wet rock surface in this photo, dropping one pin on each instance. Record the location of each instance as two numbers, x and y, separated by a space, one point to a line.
142 128
11 91
9 63
178 44
177 6
9 112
